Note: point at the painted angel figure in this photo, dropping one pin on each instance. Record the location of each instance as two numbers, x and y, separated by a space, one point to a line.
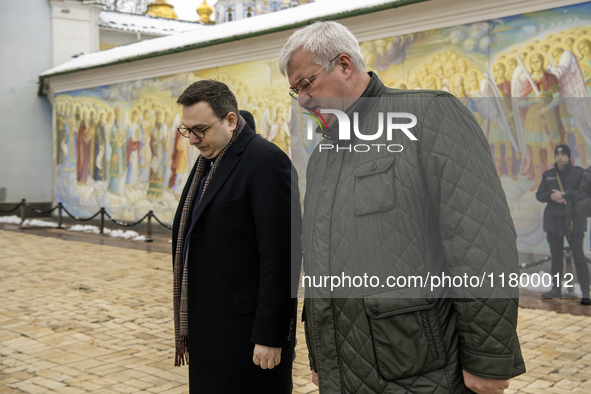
264 128
565 66
505 143
536 98
279 133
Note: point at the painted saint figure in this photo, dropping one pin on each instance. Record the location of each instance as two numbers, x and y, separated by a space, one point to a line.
133 149
99 149
540 115
71 126
502 149
157 141
145 154
85 140
117 166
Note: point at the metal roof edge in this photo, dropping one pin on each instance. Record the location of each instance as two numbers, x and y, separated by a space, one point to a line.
341 15
149 16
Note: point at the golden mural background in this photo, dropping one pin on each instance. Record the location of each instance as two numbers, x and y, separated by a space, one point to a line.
526 78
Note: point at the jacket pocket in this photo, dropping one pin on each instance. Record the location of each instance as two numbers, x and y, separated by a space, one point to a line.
374 186
229 204
406 336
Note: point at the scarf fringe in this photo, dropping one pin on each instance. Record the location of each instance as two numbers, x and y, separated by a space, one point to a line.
181 356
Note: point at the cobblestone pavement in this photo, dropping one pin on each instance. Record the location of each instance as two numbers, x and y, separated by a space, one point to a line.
78 317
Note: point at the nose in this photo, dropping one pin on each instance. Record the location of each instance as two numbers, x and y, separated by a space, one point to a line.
193 139
303 99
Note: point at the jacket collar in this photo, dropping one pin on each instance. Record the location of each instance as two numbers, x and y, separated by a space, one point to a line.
374 88
566 168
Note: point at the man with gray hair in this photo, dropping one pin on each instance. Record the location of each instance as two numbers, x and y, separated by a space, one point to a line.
434 206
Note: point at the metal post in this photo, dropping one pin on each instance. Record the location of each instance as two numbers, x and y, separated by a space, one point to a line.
22 210
149 227
102 221
60 208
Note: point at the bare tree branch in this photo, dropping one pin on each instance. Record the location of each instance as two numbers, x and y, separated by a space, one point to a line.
131 6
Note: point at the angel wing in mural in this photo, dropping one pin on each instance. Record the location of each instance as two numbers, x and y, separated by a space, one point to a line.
522 88
491 109
299 154
574 93
266 123
518 80
176 123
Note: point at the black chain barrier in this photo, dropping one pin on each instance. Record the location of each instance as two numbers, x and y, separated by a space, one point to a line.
78 219
11 210
102 212
39 211
126 224
162 224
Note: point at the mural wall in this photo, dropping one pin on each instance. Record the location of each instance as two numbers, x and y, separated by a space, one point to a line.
118 146
527 111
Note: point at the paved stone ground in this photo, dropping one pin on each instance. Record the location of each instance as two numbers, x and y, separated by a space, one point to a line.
79 317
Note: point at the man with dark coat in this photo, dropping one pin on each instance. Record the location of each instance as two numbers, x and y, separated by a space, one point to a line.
559 189
232 258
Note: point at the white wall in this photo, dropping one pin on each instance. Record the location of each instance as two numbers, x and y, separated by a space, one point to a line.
75 28
25 118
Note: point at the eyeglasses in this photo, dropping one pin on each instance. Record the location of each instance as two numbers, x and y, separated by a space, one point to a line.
198 132
306 83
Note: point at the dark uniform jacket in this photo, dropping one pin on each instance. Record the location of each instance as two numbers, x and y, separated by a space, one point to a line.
583 204
555 214
438 202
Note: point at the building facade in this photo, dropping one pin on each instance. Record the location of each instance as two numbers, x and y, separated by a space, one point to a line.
233 10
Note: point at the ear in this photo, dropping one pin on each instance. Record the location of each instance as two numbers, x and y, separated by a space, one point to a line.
344 64
232 120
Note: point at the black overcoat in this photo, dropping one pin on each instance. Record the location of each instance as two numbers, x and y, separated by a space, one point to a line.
244 245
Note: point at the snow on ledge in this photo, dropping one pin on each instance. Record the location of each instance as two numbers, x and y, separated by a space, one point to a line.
145 23
215 33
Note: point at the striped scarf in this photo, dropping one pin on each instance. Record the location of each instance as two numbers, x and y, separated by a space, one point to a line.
180 271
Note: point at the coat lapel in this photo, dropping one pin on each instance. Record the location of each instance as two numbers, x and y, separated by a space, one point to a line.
220 177
223 172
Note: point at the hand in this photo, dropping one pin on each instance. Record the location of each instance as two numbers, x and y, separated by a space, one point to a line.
557 197
315 378
266 357
484 385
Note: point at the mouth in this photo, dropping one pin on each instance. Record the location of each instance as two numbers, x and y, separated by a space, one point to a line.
313 108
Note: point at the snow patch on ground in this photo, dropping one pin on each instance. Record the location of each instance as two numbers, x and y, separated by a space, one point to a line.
128 234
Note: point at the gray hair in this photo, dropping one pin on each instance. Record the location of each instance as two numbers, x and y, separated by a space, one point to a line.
324 40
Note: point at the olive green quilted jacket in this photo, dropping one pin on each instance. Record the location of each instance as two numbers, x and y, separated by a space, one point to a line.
438 203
